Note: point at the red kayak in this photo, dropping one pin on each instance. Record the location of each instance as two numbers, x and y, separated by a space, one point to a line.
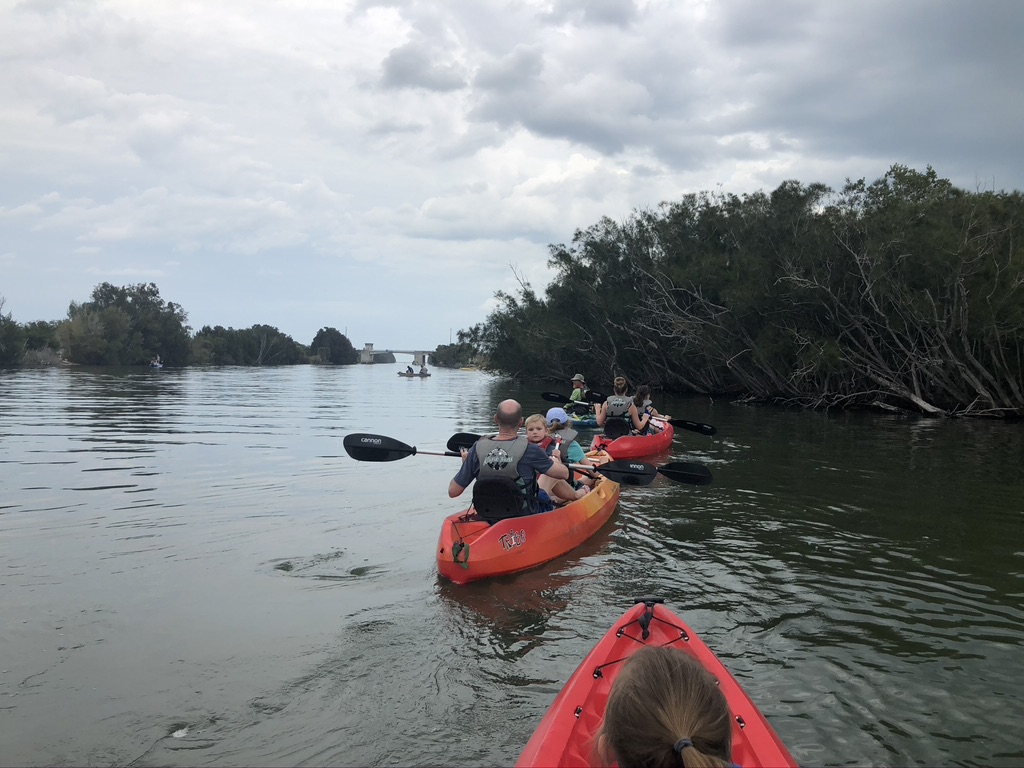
565 737
470 548
635 446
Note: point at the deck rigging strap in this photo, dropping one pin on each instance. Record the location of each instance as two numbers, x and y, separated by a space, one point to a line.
458 548
644 635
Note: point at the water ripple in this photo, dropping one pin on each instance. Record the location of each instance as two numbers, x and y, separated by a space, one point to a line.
194 573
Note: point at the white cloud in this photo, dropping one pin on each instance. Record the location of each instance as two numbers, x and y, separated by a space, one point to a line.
418 66
321 163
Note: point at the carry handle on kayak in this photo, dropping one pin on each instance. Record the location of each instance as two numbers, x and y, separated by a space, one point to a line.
648 600
645 620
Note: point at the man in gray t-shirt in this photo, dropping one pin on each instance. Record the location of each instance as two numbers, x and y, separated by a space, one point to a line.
532 462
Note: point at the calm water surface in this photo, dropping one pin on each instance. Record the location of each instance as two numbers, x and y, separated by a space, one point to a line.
192 572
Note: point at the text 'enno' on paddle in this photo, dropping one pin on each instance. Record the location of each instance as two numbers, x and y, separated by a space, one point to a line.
596 397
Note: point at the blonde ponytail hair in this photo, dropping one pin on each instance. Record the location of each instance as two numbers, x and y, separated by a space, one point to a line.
662 699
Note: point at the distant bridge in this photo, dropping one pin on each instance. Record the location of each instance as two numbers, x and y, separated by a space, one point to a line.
370 355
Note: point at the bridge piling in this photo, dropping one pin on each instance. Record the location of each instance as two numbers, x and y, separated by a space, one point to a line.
368 355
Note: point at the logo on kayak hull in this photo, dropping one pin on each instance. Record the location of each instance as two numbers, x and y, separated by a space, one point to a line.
512 539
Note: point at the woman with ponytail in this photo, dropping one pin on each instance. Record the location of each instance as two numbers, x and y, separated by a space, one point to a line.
617 415
665 710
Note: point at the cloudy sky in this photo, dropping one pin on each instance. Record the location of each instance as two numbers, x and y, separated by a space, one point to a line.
385 167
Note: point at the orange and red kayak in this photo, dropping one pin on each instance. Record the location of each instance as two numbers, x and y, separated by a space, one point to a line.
635 446
469 548
565 737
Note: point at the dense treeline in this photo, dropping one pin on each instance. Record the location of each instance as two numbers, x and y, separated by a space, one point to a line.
466 351
133 325
903 293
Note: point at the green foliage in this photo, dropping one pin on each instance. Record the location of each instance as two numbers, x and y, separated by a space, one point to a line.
32 343
132 325
906 291
465 352
41 334
12 338
129 325
258 345
332 347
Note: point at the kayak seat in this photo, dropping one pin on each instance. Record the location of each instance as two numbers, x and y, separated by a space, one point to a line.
498 499
615 427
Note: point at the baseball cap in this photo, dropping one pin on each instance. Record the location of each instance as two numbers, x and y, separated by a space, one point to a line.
557 414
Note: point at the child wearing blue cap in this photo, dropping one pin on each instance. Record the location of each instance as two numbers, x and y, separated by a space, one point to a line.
564 437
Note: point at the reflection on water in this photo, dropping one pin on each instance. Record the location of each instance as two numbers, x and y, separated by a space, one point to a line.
194 573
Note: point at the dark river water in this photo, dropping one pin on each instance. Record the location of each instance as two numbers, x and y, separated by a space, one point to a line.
193 572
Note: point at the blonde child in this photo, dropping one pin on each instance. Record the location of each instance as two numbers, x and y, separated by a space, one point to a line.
559 490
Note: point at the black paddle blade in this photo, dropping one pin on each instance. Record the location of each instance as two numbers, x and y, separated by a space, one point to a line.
461 440
693 426
685 472
554 397
580 409
364 447
590 397
629 472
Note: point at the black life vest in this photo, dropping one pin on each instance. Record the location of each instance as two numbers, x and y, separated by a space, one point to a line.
618 405
499 491
618 422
